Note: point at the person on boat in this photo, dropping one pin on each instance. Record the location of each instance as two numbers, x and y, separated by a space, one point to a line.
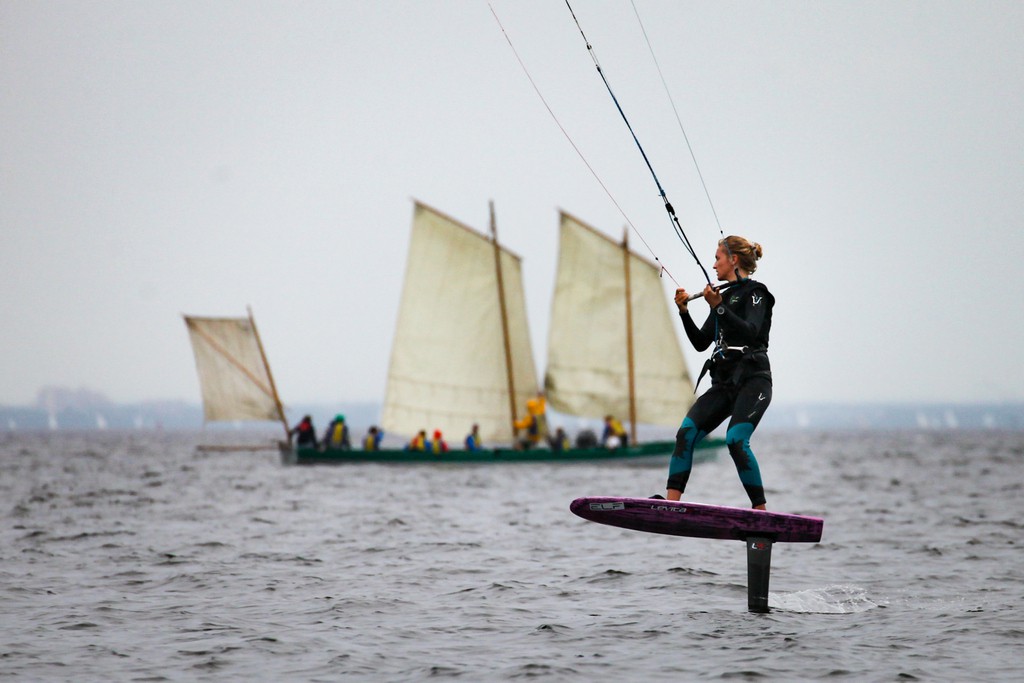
560 441
419 442
438 445
614 433
534 426
336 435
474 442
741 379
586 439
304 433
371 442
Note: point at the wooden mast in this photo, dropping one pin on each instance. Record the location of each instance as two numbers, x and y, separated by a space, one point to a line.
629 339
504 323
270 376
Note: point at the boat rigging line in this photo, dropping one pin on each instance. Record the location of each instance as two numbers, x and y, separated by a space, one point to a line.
586 163
673 219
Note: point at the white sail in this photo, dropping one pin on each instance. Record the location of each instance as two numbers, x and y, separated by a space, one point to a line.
448 366
588 370
233 375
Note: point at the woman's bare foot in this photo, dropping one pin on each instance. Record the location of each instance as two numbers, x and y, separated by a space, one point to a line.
760 507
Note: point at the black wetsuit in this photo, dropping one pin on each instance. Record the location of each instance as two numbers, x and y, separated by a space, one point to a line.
741 383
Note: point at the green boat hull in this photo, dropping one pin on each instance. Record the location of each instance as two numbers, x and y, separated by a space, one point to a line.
292 455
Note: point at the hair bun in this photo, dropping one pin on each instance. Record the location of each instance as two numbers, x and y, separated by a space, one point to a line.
758 251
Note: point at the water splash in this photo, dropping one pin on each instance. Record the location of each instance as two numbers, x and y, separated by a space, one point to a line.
836 599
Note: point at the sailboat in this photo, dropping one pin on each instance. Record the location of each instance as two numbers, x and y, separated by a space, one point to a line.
461 352
612 346
234 375
462 355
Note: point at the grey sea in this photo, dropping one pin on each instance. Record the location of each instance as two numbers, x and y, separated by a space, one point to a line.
133 556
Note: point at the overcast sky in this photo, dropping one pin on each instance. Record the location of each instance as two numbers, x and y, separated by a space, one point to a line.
159 158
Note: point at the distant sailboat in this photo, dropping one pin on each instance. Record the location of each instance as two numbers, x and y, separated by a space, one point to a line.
51 412
612 346
461 356
234 374
461 353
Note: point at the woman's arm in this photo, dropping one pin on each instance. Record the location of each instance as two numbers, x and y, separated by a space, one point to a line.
700 337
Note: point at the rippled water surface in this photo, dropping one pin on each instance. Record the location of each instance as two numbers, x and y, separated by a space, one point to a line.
134 556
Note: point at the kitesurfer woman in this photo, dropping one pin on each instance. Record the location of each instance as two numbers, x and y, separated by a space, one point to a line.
741 379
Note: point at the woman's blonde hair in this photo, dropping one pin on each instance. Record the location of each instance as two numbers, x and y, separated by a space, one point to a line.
747 252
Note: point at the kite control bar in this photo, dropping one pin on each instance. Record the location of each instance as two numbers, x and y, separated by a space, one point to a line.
720 288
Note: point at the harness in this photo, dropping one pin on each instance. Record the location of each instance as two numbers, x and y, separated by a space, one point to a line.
744 356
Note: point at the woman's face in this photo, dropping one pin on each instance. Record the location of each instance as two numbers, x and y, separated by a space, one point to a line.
724 266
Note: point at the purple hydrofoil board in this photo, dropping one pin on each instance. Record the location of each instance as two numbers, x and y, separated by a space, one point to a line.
681 518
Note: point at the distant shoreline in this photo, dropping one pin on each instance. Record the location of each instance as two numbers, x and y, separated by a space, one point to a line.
178 416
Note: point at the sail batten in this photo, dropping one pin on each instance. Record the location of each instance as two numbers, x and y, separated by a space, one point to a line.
588 364
234 378
449 365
